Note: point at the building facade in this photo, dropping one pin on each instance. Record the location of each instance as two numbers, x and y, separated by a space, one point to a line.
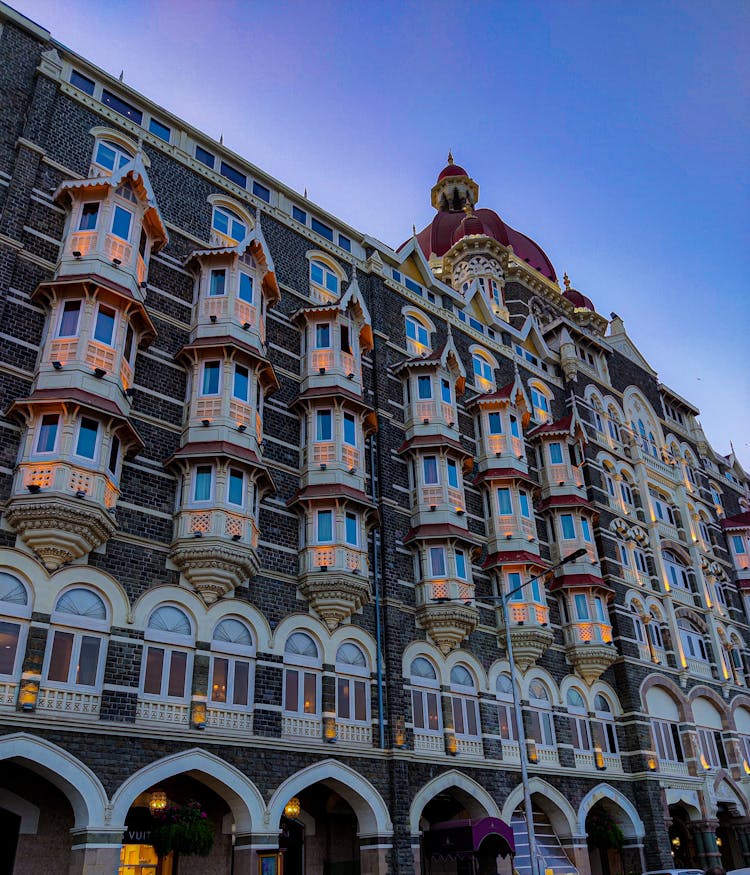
261 478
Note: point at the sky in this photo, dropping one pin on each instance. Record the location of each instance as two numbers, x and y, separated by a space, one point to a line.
615 134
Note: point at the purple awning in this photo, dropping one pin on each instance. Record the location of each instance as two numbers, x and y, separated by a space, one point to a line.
462 838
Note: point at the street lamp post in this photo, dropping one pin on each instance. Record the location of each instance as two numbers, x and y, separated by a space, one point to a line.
522 746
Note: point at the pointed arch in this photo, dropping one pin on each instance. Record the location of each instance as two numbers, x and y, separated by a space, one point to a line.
73 778
236 789
630 823
373 818
557 808
477 800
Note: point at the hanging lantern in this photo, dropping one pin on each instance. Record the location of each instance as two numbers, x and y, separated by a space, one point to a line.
292 808
157 801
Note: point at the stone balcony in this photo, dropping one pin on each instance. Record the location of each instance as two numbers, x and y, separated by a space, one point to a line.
335 580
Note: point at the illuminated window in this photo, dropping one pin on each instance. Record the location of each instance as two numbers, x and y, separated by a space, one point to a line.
505 710
228 224
232 661
417 334
75 658
109 156
425 697
301 694
464 703
352 684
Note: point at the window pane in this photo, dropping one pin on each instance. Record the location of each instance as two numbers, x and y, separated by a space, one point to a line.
121 222
82 82
433 718
445 391
349 430
299 215
119 105
503 502
429 464
47 433
496 423
154 666
88 661
324 431
246 288
218 282
424 387
582 607
417 707
360 700
236 490
9 633
325 525
219 680
524 500
232 174
311 689
452 474
241 691
211 371
471 718
161 131
87 438
69 320
460 564
514 427
343 704
568 528
351 529
458 716
322 336
105 325
203 477
204 157
437 561
291 684
241 389
59 663
177 673
89 215
555 454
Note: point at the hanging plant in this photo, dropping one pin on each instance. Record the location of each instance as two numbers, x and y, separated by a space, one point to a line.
603 832
184 829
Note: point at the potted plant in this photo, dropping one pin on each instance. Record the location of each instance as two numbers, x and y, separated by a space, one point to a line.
182 829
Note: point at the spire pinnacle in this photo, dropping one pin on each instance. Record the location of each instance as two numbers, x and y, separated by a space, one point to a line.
450 156
566 281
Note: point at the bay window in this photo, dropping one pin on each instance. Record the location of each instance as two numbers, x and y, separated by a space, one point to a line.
211 378
236 487
217 282
104 325
324 526
88 432
437 562
121 222
203 483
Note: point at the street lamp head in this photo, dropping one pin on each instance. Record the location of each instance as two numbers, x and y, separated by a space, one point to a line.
576 554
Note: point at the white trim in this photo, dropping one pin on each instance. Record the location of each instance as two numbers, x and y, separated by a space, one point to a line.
606 791
483 804
563 819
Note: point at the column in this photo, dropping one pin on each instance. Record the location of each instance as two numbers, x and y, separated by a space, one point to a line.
374 852
704 832
95 852
246 849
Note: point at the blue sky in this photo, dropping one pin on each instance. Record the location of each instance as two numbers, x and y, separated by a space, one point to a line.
615 134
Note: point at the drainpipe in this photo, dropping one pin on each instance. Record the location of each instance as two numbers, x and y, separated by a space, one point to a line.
376 580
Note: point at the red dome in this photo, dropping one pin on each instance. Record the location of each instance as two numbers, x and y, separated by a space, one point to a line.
451 170
439 236
578 300
471 225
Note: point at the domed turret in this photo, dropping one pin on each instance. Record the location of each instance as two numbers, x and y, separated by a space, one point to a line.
576 298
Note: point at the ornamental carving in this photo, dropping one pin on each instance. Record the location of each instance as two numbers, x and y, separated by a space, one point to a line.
214 569
57 529
590 660
334 596
447 624
529 643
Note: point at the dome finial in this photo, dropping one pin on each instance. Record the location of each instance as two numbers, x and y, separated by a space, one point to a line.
450 156
566 281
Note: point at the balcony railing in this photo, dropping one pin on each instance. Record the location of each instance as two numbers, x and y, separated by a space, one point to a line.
8 694
637 578
63 477
683 596
515 527
588 632
354 733
303 726
447 589
563 475
669 471
329 452
505 445
333 557
334 360
225 718
667 530
177 713
699 667
435 411
428 743
214 407
511 751
586 761
472 747
218 523
547 756
522 612
669 767
435 496
68 701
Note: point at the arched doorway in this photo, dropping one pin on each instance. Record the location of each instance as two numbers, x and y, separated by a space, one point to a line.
614 832
684 853
554 828
10 828
605 840
331 821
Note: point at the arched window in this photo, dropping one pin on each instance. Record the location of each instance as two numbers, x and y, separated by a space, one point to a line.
109 156
325 281
597 413
603 727
579 723
231 227
665 720
483 366
626 492
542 727
541 402
425 697
301 675
676 570
692 639
709 723
232 657
352 684
608 476
74 657
638 625
464 703
168 664
613 424
418 331
662 507
505 708
655 634
14 607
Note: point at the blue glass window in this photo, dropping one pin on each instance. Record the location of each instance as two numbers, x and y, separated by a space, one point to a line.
424 387
236 488
345 243
121 222
555 454
505 507
350 432
568 527
324 428
241 388
299 215
352 534
87 434
461 564
218 282
245 292
233 174
325 526
262 192
211 372
82 82
322 336
161 131
89 216
445 391
228 223
524 501
322 229
69 320
430 469
514 427
204 157
437 561
203 480
48 433
514 583
105 325
119 105
496 423
452 474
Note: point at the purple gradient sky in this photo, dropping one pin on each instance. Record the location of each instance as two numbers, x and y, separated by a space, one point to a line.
615 134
